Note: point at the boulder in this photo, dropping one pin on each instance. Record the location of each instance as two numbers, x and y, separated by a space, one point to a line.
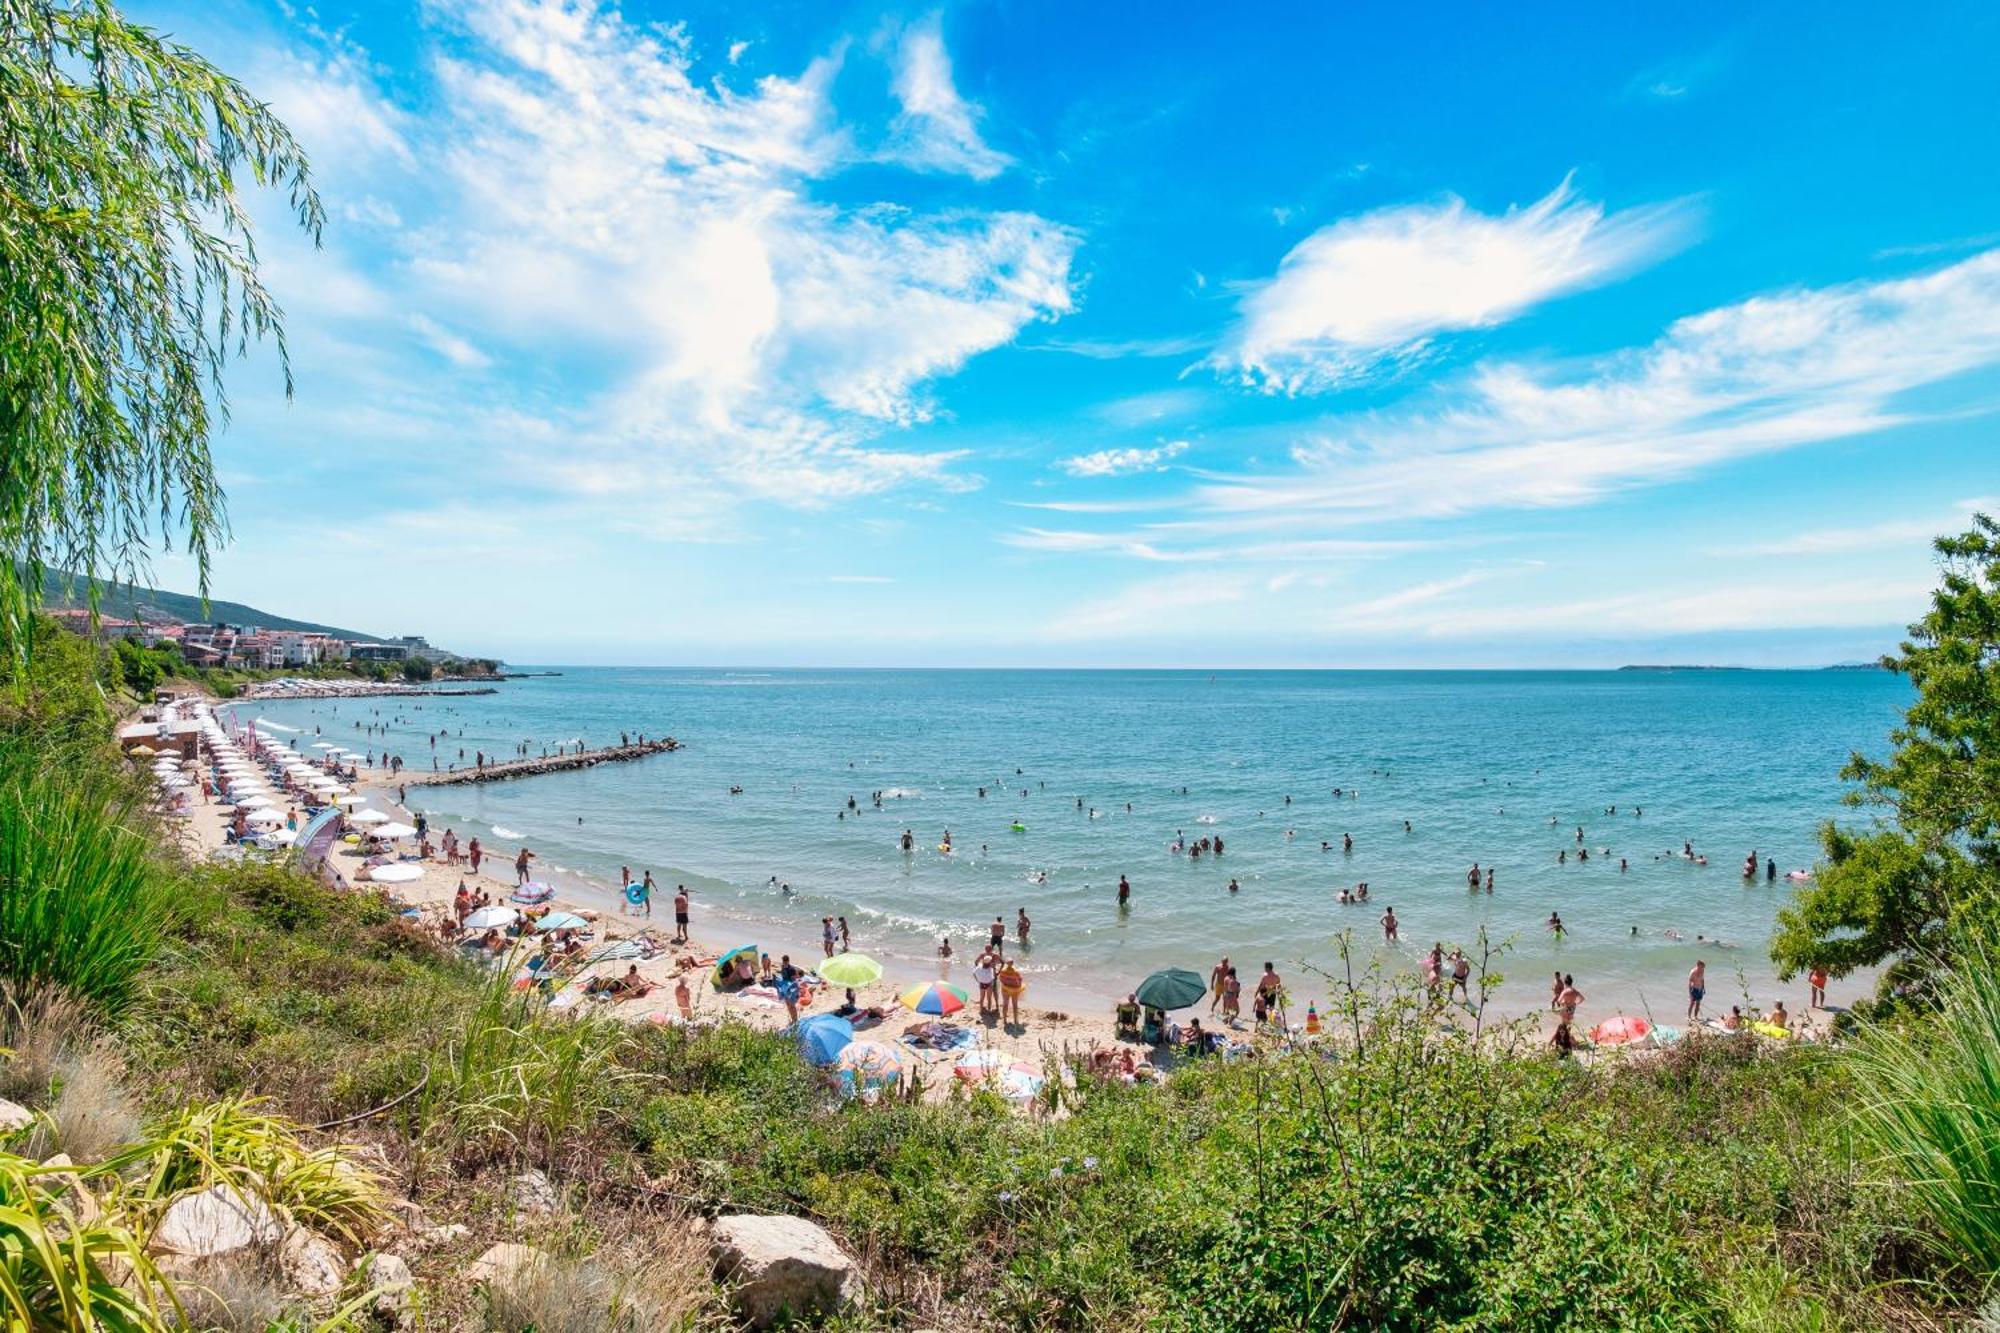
391 1280
782 1265
532 1192
311 1263
14 1117
81 1199
504 1262
214 1221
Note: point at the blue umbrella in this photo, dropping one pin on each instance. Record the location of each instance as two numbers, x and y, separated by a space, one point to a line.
822 1038
561 921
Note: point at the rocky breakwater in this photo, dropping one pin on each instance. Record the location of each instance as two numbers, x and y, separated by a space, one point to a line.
554 763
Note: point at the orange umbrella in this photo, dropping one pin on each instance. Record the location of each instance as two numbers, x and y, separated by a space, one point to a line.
1620 1030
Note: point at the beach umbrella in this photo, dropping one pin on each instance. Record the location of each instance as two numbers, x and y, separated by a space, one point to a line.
534 891
1663 1035
722 963
933 997
282 837
395 874
368 817
324 745
976 1065
1171 988
870 1061
142 751
1619 1030
392 830
851 969
1019 1082
823 1037
265 816
486 918
253 801
560 921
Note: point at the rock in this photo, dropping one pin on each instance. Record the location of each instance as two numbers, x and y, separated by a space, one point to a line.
504 1262
451 1233
214 1221
81 1199
532 1192
782 1264
14 1117
391 1280
311 1263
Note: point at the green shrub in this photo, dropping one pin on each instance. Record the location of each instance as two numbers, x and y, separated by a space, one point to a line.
58 1271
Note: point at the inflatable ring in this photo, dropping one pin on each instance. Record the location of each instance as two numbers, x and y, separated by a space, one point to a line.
635 894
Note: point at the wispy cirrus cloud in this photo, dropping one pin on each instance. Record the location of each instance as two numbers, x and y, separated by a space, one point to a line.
1902 532
1122 462
1373 291
938 129
1765 374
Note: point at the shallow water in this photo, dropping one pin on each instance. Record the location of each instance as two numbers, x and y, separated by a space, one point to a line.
1480 763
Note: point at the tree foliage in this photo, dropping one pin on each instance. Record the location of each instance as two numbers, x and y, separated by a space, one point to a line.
1930 878
129 277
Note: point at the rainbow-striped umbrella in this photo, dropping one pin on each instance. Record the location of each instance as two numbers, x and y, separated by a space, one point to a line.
933 997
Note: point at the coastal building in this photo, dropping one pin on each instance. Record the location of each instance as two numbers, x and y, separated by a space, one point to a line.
378 652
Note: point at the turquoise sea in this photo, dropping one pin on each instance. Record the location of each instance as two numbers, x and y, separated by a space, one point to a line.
1498 768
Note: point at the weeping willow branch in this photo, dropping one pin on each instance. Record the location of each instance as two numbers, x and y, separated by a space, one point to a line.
129 276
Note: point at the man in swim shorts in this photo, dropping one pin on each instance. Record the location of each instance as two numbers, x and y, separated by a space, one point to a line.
680 914
1697 987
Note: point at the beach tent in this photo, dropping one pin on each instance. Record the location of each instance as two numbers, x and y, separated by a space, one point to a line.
1171 988
316 839
534 891
488 918
723 963
823 1037
850 969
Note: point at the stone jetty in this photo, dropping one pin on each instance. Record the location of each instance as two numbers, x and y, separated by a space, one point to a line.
523 768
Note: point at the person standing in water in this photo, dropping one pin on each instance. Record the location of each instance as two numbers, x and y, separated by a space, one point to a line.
1389 925
1124 891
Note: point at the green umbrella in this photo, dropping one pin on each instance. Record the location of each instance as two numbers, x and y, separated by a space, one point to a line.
850 969
1171 988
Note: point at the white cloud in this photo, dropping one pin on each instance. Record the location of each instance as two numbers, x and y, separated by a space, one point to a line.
1155 545
1766 374
1151 606
938 130
655 247
1370 292
1418 594
453 348
1916 532
1121 462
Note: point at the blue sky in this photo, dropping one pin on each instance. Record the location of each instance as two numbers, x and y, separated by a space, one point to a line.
1021 333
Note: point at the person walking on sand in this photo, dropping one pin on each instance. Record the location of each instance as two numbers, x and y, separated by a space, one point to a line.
1217 975
521 866
1697 987
846 939
1461 977
1232 996
680 914
473 851
684 999
1389 925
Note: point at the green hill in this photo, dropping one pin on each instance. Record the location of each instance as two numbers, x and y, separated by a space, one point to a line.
126 601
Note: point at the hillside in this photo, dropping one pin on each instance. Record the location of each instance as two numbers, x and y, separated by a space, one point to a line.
126 601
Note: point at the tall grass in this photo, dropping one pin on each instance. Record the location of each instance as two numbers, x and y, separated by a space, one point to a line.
517 1081
1931 1112
82 901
